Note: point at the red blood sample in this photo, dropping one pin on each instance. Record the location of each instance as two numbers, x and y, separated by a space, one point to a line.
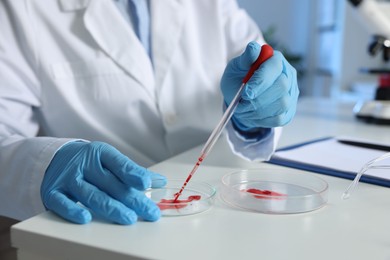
266 194
175 203
200 159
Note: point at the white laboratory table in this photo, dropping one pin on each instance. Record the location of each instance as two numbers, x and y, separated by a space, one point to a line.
358 228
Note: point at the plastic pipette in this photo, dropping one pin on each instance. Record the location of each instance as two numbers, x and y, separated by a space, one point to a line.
265 53
370 165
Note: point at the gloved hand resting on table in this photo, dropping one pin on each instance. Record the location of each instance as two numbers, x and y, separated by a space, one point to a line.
270 97
103 180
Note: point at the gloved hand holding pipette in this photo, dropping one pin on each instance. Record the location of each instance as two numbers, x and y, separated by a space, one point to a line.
270 97
103 180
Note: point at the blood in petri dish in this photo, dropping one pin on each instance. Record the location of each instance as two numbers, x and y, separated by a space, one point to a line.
266 194
176 203
200 159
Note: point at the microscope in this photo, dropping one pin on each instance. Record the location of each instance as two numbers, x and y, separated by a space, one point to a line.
376 111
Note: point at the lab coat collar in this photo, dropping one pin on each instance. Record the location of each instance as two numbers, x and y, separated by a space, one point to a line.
113 34
167 23
104 22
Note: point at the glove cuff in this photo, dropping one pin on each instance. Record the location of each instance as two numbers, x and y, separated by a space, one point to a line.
251 134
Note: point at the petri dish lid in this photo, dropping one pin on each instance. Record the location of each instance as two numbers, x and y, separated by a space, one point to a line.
274 191
197 197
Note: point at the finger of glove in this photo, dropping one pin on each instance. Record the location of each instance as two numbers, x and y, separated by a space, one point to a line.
143 206
66 208
130 197
272 108
249 56
261 118
281 98
260 106
236 70
279 88
264 76
125 169
101 203
280 91
158 180
278 120
284 84
244 106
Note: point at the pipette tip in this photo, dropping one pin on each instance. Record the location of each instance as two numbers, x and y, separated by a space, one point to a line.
345 195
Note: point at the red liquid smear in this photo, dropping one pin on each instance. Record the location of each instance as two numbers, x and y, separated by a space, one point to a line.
175 203
266 194
177 195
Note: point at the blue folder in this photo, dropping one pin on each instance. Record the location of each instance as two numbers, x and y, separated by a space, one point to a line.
324 170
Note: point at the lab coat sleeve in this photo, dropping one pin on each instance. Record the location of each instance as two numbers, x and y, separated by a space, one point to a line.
23 163
23 156
240 29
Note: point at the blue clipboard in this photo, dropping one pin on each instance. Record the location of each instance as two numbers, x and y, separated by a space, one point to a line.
324 170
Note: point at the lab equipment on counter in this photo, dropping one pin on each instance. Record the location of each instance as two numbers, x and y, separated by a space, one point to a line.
377 110
375 15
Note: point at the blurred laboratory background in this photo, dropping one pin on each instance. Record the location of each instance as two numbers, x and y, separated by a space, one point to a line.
326 40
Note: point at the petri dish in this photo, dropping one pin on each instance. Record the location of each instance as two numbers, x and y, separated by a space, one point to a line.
197 197
274 191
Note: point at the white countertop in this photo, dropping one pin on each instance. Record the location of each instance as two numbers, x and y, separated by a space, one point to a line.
358 228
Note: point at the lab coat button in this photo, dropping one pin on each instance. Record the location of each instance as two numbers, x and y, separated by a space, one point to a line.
170 119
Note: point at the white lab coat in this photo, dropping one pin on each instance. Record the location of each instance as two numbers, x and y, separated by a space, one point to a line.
75 69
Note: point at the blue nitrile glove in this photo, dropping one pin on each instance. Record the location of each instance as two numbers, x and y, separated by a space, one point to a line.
103 180
270 97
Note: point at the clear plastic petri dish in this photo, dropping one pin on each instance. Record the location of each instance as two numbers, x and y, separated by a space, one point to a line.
195 198
274 191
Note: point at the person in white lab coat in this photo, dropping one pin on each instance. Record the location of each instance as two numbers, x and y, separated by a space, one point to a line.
76 81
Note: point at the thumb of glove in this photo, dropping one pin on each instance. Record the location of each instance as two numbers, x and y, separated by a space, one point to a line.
249 56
